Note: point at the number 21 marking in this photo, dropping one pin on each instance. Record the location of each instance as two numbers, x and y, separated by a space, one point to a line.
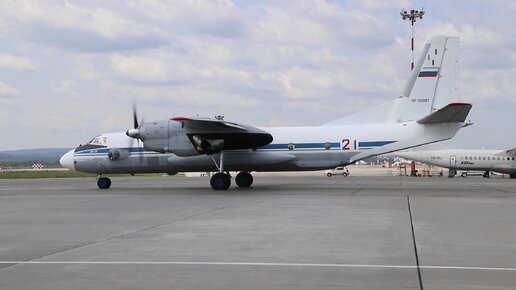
346 143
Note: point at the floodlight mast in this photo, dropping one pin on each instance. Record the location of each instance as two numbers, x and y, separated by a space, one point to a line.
411 16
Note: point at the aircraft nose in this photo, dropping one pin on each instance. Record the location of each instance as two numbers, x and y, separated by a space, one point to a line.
67 160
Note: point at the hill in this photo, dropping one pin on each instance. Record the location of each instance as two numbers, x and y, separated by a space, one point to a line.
39 154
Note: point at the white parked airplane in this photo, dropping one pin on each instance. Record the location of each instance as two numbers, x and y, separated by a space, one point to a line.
427 111
502 161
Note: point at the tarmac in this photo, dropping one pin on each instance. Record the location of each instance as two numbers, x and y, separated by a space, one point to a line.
308 232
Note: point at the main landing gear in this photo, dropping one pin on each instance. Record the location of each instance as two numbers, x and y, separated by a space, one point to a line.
222 180
103 182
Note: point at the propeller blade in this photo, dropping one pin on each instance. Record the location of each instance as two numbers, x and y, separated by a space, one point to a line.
135 117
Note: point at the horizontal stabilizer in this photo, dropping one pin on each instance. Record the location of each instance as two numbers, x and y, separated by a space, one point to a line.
435 133
451 113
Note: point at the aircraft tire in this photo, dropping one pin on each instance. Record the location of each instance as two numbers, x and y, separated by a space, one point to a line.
512 176
244 179
104 183
220 181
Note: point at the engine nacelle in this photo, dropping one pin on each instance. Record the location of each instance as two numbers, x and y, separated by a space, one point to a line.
187 137
154 136
211 145
167 137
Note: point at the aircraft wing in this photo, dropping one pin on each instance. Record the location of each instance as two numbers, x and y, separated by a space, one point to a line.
451 113
511 152
211 136
206 124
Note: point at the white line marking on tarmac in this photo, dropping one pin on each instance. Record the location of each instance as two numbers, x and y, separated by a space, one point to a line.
257 264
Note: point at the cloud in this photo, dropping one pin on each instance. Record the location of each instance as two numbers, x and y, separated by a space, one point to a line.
75 27
67 88
201 17
321 23
259 62
7 90
140 68
378 5
8 61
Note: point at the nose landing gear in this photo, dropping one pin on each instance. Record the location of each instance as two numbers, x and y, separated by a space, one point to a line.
103 182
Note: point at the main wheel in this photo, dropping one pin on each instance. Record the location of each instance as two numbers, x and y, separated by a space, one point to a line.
220 181
512 176
104 183
244 179
486 174
464 174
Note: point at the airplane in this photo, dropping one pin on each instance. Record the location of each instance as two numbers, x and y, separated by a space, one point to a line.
427 111
501 161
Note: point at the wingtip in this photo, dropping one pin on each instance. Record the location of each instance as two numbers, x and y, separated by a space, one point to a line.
180 119
458 104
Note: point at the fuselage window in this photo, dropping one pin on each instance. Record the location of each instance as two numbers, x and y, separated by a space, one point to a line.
488 158
497 158
484 158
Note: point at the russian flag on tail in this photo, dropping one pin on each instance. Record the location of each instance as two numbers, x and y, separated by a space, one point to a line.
428 72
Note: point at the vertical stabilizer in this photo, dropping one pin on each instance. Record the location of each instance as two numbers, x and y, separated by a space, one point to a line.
433 82
432 85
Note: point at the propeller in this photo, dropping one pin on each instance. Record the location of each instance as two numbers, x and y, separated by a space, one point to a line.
135 117
134 133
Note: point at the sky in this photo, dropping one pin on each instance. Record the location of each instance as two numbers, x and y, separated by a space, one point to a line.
70 70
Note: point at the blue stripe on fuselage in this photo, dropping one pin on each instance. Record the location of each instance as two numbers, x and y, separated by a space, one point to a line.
283 146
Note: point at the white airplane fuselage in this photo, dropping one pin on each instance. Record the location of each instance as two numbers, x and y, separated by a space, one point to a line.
292 149
426 111
463 159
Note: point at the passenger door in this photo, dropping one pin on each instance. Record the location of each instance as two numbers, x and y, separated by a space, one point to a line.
453 161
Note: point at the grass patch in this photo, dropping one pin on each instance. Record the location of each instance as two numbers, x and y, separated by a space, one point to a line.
30 174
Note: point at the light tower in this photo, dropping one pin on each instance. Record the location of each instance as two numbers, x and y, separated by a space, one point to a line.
412 16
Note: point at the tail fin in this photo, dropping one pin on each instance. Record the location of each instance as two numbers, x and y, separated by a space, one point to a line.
433 82
431 86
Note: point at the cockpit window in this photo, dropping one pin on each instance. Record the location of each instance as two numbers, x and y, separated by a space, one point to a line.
98 140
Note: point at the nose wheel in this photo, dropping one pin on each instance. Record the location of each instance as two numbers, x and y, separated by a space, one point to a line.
103 182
